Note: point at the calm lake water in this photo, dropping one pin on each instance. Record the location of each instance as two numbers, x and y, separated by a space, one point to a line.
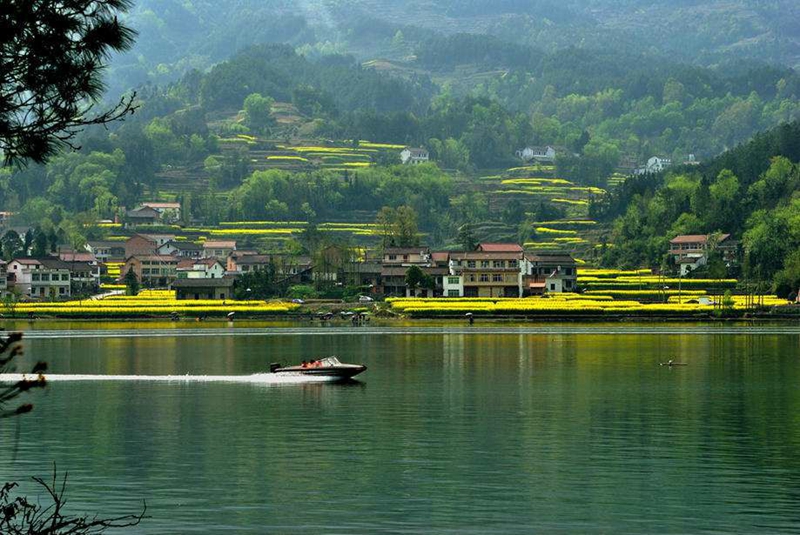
534 429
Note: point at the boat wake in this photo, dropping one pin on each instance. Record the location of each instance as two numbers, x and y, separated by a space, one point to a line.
256 378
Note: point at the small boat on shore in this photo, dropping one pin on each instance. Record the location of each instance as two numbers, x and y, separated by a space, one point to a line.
330 368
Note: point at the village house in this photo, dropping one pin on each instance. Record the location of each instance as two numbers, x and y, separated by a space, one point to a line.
40 278
691 251
553 273
107 251
140 244
144 215
238 263
201 268
546 154
183 249
288 267
168 212
366 274
414 156
152 271
220 289
493 270
218 249
406 256
654 165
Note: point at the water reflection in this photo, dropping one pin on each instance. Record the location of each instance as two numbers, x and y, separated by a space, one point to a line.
506 432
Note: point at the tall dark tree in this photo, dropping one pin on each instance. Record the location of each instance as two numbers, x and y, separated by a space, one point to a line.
52 55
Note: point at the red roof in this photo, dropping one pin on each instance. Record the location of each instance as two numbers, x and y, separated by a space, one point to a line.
500 247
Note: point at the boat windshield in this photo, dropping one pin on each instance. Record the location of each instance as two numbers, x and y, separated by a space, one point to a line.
330 361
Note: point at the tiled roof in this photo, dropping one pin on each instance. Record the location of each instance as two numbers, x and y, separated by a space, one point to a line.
550 259
219 245
406 250
697 238
500 247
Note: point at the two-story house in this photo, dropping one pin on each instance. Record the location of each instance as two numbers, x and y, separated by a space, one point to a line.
139 245
395 264
40 278
107 251
219 249
201 268
152 271
495 270
553 273
414 156
143 215
691 251
183 249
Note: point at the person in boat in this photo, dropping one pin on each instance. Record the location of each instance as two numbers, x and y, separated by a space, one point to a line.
304 364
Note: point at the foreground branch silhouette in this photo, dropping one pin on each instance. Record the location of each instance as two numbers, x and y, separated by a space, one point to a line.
52 56
18 514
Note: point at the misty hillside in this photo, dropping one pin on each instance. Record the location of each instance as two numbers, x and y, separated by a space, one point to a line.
176 36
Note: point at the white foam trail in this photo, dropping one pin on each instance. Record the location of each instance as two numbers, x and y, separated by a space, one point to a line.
257 378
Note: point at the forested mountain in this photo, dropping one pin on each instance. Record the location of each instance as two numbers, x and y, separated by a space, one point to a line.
177 36
229 91
752 191
704 33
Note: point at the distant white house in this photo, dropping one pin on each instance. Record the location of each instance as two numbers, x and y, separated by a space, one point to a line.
546 154
654 165
414 156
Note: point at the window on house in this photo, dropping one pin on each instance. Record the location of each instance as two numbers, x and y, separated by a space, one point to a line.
392 257
62 290
35 277
512 263
452 280
552 287
484 263
65 276
484 277
46 277
497 277
470 263
472 278
452 293
498 264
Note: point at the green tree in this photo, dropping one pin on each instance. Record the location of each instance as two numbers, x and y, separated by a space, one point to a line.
52 55
414 278
257 112
406 228
131 283
466 238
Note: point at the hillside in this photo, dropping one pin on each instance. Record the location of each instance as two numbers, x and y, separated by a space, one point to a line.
751 192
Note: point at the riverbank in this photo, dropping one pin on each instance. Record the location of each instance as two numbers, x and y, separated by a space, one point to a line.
162 304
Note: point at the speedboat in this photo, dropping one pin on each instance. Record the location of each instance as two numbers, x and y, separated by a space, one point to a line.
328 368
